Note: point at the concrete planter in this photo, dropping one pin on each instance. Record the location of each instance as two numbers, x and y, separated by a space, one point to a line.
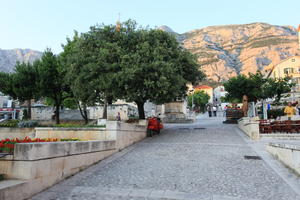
249 127
80 133
41 165
288 154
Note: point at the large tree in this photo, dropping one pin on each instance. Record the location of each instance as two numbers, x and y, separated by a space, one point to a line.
92 60
52 83
198 100
25 83
256 87
154 67
128 63
274 88
6 86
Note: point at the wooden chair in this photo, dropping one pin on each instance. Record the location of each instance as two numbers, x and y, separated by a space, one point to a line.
287 127
265 126
277 126
297 126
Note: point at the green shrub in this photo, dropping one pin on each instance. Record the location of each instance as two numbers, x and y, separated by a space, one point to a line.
269 41
1 177
274 113
10 123
27 124
69 139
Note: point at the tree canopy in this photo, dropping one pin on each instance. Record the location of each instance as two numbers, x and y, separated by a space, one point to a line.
135 64
107 63
257 87
51 81
155 67
199 99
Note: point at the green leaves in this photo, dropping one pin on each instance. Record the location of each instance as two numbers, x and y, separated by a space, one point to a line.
105 64
256 87
199 99
25 81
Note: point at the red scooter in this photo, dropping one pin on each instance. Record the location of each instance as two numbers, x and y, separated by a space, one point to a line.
154 126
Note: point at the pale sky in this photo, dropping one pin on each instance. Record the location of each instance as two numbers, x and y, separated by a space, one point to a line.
38 24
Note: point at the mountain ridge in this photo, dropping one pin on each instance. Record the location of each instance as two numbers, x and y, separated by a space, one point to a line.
225 51
9 57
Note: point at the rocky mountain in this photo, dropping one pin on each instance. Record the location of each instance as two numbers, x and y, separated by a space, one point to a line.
225 51
8 58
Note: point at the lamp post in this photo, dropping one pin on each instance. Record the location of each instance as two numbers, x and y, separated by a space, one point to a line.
192 93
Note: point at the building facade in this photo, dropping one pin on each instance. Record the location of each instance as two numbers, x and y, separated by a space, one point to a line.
288 67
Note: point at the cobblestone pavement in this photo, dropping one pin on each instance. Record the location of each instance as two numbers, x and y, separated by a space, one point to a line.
204 160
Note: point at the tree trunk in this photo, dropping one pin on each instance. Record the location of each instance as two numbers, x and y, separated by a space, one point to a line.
29 109
83 112
141 109
108 102
104 116
86 118
57 106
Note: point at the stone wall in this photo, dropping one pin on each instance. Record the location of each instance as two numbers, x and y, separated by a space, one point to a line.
40 165
16 133
125 111
96 112
41 113
70 115
80 133
175 107
46 113
126 134
288 154
249 127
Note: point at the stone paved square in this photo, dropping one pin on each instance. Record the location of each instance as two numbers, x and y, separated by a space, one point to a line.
183 162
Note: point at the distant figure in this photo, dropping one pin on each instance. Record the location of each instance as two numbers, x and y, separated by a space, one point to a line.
215 110
298 107
245 105
224 113
118 117
209 109
289 110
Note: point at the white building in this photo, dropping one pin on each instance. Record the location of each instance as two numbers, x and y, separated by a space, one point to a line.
218 93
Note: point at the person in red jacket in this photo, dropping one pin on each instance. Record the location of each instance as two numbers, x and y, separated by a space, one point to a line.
154 126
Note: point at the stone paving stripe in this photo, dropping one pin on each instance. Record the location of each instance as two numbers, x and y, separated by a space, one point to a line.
185 196
140 193
220 197
192 144
157 193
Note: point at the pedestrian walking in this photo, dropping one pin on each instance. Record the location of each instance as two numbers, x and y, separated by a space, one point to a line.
214 108
119 117
298 107
209 109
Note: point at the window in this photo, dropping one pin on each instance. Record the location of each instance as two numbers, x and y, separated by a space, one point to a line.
293 60
288 70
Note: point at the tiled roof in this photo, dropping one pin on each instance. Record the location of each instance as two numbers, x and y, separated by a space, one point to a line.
199 87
